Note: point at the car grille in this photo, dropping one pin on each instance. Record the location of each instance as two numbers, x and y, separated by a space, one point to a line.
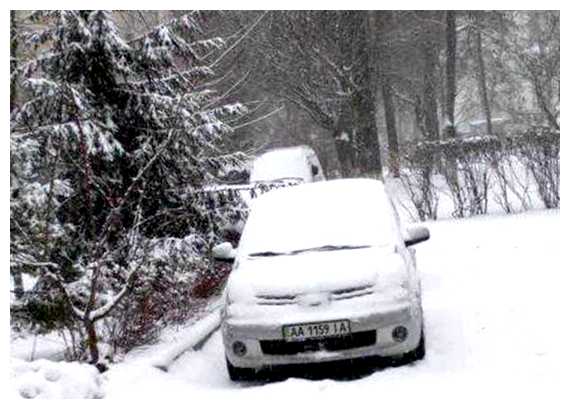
344 294
276 300
354 340
351 292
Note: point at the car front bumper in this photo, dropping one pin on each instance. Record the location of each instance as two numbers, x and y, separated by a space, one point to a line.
257 334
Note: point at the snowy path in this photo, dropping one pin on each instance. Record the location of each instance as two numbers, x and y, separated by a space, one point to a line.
493 293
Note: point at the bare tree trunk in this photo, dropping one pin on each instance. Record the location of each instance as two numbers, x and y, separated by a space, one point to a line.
450 163
451 39
343 139
92 341
543 104
383 56
542 73
86 182
368 148
481 77
430 100
391 131
364 102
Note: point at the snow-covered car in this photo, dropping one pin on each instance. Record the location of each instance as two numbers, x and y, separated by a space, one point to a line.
323 272
297 162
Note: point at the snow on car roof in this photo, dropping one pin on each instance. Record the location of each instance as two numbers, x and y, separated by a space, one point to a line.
343 212
283 163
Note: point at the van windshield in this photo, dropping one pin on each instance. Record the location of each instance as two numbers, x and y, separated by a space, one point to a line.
283 163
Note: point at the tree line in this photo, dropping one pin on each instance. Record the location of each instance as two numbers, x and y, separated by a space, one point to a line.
363 83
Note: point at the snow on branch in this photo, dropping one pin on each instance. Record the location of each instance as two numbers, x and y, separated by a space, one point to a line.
103 311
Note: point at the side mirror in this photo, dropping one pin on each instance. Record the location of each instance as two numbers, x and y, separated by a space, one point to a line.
416 235
224 252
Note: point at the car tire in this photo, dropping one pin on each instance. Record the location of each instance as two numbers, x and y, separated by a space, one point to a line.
420 352
239 374
417 354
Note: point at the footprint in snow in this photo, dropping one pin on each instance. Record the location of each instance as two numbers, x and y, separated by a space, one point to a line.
29 391
52 375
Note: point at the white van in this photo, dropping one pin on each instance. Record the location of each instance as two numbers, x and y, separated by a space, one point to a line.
297 162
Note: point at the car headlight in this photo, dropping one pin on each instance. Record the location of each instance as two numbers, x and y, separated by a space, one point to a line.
400 333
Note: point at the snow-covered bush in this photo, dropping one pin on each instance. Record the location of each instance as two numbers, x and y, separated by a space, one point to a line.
416 176
168 269
418 185
540 152
467 173
480 168
513 180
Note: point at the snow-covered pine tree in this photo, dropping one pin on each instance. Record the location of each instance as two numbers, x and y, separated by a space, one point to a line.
120 138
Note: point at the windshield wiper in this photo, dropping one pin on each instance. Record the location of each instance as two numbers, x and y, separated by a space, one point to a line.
266 254
329 247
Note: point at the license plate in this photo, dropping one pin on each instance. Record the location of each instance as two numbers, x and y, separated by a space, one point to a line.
300 332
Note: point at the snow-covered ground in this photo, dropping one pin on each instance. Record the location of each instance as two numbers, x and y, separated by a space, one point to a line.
492 297
57 380
28 347
495 297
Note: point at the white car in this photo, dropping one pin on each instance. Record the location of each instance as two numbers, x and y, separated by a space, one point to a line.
323 272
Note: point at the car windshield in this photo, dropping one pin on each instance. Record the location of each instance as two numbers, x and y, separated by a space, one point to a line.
325 216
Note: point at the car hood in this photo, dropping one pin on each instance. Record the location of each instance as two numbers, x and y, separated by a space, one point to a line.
312 272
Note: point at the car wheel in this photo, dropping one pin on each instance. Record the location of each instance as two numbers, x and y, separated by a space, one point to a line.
239 374
417 354
420 352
